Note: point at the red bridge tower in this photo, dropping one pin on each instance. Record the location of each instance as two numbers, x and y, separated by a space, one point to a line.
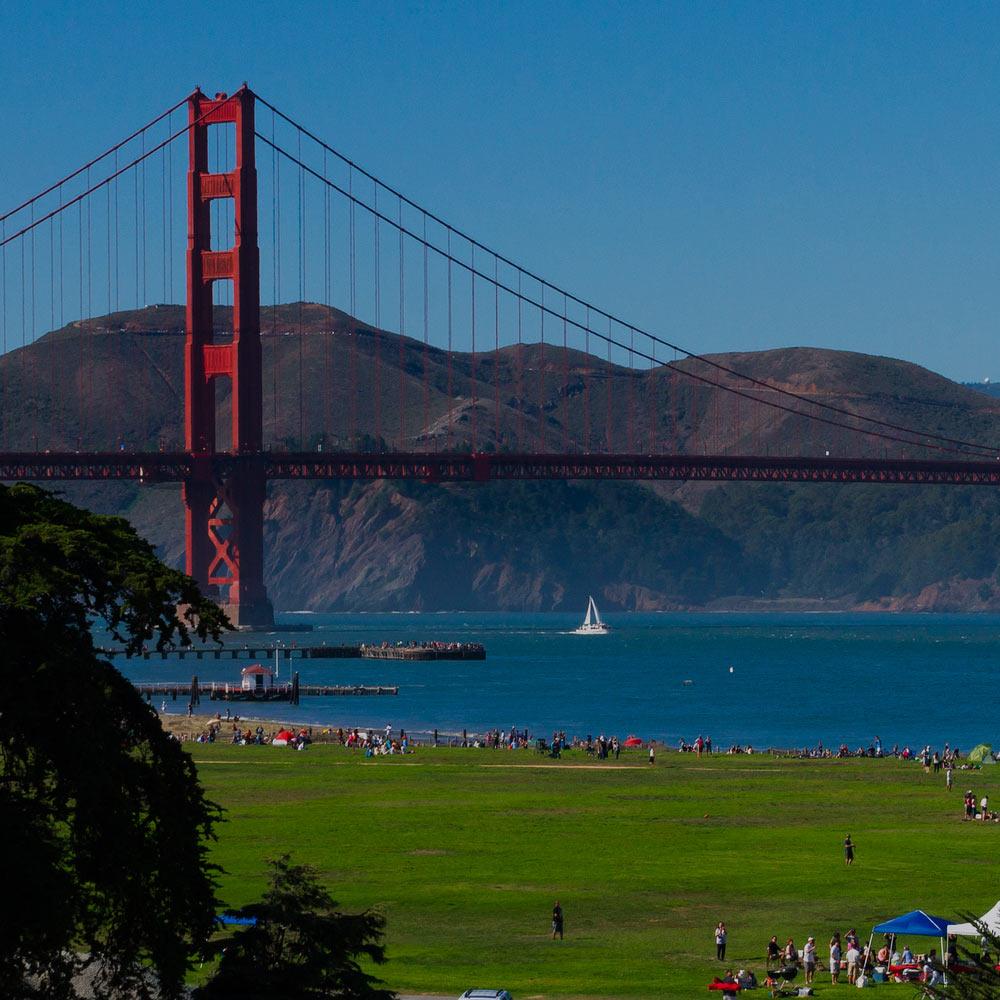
224 518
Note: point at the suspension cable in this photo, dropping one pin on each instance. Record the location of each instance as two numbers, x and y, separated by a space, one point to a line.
94 161
693 355
629 347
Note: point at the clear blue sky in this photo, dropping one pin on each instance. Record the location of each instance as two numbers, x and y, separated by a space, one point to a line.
735 176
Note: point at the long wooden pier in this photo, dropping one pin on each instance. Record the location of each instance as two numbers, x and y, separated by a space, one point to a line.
250 651
227 691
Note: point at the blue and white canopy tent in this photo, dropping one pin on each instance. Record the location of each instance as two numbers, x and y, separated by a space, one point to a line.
916 923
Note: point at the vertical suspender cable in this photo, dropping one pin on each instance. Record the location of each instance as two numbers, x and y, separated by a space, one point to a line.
426 332
401 402
328 300
354 313
80 373
3 331
565 382
378 327
586 384
735 405
118 279
402 332
107 192
716 431
163 222
652 396
24 339
144 300
302 288
451 398
542 446
519 366
630 415
274 285
62 275
91 338
53 351
496 353
135 231
34 326
607 419
170 216
279 337
474 374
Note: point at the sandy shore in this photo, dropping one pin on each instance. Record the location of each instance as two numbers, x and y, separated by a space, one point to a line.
191 728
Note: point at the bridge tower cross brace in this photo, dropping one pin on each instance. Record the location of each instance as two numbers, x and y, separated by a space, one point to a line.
224 517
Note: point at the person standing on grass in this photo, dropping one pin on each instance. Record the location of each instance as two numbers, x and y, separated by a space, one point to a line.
835 958
848 850
652 754
557 921
949 774
720 941
853 957
809 959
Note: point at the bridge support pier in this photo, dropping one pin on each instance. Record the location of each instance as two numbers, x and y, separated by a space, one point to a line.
224 518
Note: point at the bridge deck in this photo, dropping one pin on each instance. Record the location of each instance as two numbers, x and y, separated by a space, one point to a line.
481 468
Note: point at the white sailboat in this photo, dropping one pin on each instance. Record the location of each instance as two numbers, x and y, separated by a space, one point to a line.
592 624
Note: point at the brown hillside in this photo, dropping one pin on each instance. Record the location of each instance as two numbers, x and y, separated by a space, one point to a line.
384 545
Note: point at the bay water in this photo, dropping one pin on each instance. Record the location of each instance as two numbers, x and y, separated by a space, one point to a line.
770 680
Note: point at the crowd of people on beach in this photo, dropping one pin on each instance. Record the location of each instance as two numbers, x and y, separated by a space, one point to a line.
374 743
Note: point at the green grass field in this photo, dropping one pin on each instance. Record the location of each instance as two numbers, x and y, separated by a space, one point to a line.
466 850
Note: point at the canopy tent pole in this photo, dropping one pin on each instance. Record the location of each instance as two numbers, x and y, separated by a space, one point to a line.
868 951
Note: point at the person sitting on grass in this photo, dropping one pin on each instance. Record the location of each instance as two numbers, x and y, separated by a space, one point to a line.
773 950
932 974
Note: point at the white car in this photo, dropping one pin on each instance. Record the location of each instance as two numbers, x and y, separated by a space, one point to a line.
485 995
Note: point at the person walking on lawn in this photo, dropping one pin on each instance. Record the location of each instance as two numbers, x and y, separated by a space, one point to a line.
557 921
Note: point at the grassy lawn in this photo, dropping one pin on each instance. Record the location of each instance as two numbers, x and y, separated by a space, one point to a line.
466 850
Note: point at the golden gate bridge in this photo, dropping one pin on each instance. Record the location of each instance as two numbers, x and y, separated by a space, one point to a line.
468 367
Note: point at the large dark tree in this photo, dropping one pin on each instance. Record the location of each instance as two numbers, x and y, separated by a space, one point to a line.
301 948
104 824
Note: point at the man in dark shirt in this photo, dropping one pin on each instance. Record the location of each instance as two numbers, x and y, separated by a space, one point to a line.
557 921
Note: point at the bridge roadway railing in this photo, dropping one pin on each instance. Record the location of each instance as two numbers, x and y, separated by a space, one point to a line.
478 467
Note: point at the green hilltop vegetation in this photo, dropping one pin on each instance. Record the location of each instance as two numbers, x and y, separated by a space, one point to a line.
465 851
532 546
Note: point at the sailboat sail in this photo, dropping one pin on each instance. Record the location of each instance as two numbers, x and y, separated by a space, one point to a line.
592 624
